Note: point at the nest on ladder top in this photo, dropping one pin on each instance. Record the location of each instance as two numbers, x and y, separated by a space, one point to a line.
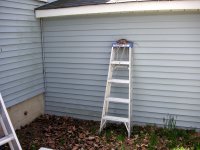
122 53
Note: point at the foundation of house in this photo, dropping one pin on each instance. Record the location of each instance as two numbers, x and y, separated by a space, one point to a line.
26 111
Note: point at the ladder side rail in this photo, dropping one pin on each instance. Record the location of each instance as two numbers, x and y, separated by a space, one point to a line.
18 146
130 91
107 90
108 85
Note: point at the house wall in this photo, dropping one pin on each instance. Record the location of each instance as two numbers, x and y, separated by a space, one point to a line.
21 69
166 78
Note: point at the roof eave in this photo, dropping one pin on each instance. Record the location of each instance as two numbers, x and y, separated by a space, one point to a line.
121 8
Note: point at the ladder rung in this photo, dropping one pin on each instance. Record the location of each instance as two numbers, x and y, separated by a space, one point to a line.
113 118
120 62
6 139
118 100
119 81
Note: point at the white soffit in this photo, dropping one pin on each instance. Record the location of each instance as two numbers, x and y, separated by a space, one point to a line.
121 7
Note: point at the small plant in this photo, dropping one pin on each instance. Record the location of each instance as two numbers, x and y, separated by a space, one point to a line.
121 138
180 148
33 147
152 141
93 130
197 146
170 122
62 141
123 147
108 135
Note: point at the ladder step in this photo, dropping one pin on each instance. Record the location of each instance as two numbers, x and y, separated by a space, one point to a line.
113 118
119 81
120 62
118 100
6 139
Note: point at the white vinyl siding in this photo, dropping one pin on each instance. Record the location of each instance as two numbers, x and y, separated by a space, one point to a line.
21 72
166 70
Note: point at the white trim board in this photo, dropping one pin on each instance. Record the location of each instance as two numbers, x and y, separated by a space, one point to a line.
122 8
43 1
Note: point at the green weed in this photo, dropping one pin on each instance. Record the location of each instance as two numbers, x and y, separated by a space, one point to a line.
121 137
33 147
152 141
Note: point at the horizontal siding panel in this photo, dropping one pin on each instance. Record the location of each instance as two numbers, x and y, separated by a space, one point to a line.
19 23
135 57
166 110
74 97
20 70
79 60
74 111
76 66
14 16
20 58
23 92
22 87
20 76
64 113
178 94
20 64
76 86
172 69
19 41
18 5
118 26
77 81
20 29
168 75
7 10
145 80
166 87
165 50
20 53
24 80
29 94
86 50
177 38
76 76
166 99
149 44
19 35
77 71
78 92
122 32
29 2
20 46
77 55
171 63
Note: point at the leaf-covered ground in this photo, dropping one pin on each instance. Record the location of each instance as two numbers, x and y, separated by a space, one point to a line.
65 133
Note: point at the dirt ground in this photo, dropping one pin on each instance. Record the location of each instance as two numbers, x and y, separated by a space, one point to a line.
65 133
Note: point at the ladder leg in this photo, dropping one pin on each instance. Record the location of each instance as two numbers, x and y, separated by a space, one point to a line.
130 92
6 132
8 127
107 93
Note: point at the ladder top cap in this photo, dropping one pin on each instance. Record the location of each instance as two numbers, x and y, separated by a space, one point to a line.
129 44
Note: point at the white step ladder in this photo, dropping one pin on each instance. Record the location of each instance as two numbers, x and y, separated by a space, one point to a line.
10 136
116 48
